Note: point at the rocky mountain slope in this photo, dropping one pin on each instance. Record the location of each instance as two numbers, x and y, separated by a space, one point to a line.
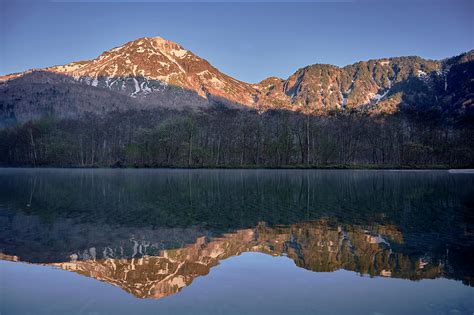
154 72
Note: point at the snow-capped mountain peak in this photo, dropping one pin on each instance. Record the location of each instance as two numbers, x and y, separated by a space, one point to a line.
157 71
150 64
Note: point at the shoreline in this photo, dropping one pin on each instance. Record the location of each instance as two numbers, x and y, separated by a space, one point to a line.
452 169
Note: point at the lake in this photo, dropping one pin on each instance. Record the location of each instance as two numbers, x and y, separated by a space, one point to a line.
141 241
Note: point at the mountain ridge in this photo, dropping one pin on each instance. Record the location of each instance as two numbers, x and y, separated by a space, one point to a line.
155 72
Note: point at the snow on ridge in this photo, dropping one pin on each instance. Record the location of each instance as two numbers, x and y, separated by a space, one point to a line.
179 52
115 70
344 101
113 82
159 40
163 78
216 81
203 72
137 88
378 97
134 70
116 49
421 73
171 58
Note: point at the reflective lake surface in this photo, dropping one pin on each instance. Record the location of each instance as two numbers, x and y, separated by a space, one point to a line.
129 241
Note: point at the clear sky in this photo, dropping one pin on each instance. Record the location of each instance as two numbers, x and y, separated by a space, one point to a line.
249 41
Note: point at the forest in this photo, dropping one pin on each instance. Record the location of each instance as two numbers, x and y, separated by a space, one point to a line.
223 137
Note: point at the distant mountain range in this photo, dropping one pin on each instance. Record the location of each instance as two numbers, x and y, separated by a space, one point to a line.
152 72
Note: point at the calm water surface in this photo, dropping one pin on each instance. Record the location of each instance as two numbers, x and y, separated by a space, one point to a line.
236 242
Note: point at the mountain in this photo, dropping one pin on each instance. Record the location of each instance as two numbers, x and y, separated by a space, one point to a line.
382 85
152 72
315 246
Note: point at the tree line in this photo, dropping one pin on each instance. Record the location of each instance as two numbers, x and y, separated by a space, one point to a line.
222 137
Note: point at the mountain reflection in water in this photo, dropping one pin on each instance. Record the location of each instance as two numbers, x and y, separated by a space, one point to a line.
152 232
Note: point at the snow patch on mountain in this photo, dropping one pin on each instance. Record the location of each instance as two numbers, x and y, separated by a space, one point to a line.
217 82
137 88
377 97
94 82
179 52
421 73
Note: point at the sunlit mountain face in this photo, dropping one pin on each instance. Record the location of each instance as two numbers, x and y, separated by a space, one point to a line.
153 232
155 73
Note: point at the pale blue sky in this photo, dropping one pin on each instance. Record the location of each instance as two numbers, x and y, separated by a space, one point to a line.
249 41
